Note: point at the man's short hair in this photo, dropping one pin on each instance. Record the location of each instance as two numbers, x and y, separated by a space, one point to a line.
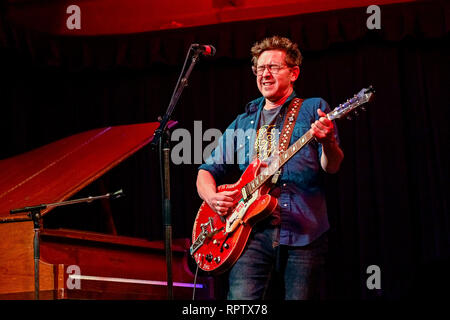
293 54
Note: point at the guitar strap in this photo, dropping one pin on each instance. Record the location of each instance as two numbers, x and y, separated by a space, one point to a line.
288 128
289 123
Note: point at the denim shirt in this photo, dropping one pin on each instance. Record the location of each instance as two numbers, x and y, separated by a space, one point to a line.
300 194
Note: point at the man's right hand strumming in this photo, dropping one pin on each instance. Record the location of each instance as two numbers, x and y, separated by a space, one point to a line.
219 202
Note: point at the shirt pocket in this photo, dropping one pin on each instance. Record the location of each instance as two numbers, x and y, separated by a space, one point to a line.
244 151
308 153
299 131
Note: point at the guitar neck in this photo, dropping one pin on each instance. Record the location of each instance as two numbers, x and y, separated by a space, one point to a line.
342 110
284 157
295 147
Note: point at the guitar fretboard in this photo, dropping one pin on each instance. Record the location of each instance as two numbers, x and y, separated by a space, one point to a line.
362 97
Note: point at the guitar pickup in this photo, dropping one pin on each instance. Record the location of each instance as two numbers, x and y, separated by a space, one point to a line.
275 177
244 194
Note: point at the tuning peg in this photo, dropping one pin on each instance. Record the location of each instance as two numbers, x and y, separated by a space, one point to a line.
355 113
349 118
363 108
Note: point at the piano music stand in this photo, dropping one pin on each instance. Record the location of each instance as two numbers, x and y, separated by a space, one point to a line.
34 212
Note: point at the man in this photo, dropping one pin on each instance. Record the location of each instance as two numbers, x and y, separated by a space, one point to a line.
290 244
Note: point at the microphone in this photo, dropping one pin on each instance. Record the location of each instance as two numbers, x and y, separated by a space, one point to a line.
205 49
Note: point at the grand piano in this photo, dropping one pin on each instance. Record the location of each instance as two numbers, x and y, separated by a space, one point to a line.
78 264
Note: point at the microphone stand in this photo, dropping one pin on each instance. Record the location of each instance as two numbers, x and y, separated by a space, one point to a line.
162 138
34 212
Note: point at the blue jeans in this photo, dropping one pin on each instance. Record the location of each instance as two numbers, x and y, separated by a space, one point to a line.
264 266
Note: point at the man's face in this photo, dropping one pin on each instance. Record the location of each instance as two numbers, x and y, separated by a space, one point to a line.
275 86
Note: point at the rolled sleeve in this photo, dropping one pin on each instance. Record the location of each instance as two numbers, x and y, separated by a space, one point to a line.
222 157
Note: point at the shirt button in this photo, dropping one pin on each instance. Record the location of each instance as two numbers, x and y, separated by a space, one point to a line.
285 205
284 184
252 122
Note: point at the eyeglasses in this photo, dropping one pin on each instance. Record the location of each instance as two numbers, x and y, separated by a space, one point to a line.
273 69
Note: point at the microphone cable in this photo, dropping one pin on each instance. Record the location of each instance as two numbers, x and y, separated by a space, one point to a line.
195 283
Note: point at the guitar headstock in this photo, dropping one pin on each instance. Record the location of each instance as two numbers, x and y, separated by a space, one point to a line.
362 97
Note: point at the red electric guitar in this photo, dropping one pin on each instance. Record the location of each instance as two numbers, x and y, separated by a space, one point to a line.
219 241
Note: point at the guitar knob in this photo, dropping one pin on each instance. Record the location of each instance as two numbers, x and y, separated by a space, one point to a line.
226 246
217 259
209 257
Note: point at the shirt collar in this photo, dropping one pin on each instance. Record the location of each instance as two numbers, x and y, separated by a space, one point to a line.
257 104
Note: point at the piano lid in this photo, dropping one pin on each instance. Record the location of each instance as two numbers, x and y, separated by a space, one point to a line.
56 171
